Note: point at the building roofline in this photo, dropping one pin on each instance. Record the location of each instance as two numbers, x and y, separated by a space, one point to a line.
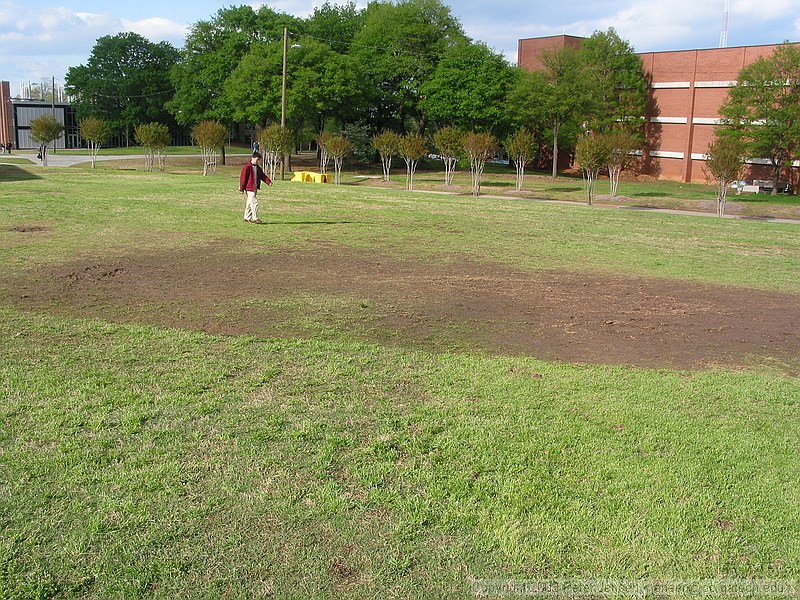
578 37
712 48
547 37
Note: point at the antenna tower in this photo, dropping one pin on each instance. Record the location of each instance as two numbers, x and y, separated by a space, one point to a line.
723 36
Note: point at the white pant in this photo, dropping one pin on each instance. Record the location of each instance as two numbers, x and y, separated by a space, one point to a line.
251 208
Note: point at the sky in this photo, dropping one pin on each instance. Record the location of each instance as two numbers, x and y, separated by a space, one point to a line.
41 39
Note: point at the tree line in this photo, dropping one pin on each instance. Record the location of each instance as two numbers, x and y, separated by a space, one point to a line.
407 67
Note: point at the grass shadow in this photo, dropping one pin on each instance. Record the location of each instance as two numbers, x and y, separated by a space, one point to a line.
14 173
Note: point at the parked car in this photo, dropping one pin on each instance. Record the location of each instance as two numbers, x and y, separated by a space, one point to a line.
766 185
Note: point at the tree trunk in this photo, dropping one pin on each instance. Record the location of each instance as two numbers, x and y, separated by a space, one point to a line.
613 177
776 175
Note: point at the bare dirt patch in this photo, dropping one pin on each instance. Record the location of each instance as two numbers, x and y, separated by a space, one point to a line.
230 288
28 229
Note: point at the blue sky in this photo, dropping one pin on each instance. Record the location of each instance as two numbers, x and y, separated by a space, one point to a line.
40 39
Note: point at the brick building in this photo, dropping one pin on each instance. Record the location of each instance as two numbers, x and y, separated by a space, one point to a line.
687 88
6 115
16 116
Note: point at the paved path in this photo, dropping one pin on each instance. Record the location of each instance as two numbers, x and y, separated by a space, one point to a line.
68 160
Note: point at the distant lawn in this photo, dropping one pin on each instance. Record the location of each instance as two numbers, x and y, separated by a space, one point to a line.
14 159
497 180
146 461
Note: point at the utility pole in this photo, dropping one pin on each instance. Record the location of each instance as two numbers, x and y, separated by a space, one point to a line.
53 104
283 95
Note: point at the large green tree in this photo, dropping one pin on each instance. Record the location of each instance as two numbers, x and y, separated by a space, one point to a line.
468 88
556 98
763 109
335 25
398 48
212 52
617 84
321 84
126 81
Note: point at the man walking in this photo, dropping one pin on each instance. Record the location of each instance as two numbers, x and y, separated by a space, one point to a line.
250 181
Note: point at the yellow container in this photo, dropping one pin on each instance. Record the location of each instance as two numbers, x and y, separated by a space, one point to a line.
311 177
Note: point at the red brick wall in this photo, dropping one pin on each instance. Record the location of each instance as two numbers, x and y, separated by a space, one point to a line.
6 115
529 51
688 87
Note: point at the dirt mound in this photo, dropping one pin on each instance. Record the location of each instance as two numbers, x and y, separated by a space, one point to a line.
228 288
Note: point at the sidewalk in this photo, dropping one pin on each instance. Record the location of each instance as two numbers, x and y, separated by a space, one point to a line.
67 160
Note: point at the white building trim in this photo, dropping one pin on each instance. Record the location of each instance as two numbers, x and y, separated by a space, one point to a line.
674 120
705 121
671 85
664 154
715 84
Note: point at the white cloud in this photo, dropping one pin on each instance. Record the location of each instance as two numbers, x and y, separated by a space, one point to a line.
157 29
46 42
653 23
763 10
298 8
60 30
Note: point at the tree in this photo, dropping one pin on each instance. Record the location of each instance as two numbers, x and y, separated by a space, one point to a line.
126 81
398 49
212 51
155 137
387 145
336 25
479 147
617 82
412 147
723 164
467 88
526 107
321 85
275 142
591 155
339 147
449 144
96 133
555 97
360 136
209 135
621 142
323 143
521 148
45 129
763 108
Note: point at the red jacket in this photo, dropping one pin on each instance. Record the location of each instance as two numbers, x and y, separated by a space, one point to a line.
249 183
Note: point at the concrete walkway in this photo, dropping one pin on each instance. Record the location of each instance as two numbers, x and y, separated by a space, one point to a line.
66 160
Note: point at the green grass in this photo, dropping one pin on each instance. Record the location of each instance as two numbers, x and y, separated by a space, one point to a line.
138 461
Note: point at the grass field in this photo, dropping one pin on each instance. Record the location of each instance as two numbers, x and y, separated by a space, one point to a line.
498 180
143 460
